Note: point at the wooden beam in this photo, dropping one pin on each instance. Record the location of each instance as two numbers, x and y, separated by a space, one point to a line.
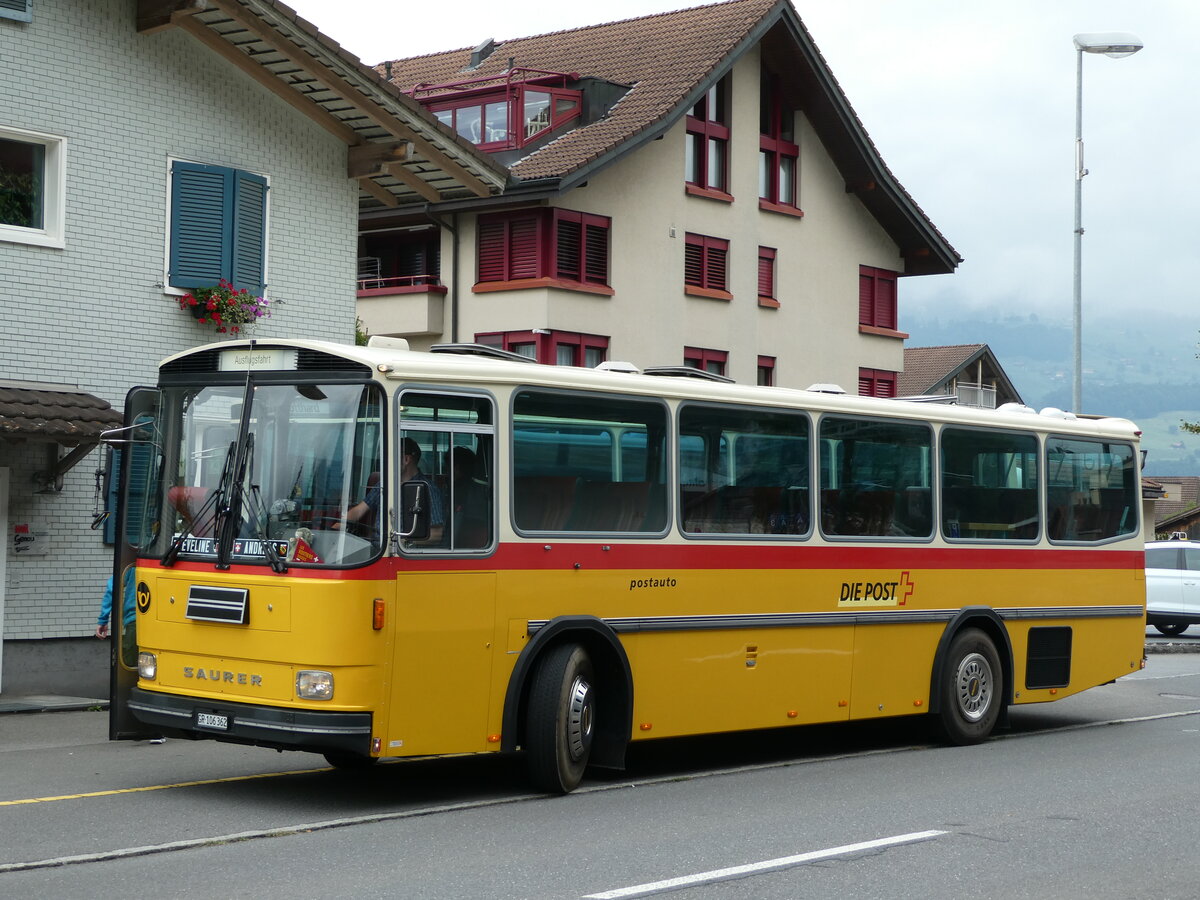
414 181
159 15
382 194
369 159
231 53
382 117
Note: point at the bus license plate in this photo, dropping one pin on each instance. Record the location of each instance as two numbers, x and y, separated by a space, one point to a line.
208 720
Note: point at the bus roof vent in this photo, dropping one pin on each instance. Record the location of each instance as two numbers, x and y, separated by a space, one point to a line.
685 372
625 368
387 343
1053 412
481 350
825 389
1014 407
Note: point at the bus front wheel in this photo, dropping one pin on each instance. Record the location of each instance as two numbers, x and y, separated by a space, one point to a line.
972 688
561 718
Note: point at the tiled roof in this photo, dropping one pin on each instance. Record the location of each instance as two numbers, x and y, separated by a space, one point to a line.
661 57
925 367
49 413
1188 497
666 61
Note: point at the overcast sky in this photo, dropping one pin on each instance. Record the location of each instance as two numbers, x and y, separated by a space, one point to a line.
972 106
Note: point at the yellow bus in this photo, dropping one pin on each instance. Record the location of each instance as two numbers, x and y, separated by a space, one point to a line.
369 552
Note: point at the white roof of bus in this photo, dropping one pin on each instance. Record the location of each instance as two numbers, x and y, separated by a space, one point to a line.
464 369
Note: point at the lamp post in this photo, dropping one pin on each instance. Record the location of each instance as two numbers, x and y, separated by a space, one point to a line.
1114 45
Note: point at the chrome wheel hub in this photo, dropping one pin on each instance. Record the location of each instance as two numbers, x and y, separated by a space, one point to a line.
579 719
973 686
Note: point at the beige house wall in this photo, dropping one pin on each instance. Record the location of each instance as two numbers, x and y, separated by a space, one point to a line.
649 319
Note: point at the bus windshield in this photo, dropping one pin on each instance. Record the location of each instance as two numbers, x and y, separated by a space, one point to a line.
297 482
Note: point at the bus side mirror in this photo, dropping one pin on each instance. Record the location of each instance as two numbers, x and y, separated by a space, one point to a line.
414 511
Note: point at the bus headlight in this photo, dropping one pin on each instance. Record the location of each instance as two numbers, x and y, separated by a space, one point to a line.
313 684
147 665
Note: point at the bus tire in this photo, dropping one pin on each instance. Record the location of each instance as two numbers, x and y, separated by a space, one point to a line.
350 761
972 688
560 719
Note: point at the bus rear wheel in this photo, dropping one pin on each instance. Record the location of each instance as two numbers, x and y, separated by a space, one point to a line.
560 720
972 689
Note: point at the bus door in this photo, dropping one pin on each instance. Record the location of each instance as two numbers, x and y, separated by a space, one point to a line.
446 589
138 460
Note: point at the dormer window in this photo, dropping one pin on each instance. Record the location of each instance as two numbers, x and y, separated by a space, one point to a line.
503 112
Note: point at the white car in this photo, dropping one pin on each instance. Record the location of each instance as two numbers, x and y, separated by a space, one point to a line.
1172 585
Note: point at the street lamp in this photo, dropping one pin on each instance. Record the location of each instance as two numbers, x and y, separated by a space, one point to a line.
1115 45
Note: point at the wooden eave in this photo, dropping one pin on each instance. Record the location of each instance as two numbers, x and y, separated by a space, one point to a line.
399 154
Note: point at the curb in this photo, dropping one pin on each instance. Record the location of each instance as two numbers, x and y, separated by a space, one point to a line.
1172 647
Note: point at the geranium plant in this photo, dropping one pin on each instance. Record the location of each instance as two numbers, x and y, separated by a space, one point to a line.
231 310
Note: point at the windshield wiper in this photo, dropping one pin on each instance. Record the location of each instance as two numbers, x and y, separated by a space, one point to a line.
260 514
213 507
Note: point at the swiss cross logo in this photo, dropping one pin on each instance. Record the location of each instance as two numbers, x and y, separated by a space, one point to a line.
906 588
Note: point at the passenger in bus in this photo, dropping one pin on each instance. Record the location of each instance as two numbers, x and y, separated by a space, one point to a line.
470 515
368 508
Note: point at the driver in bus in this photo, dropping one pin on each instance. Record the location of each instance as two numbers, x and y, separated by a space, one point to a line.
368 507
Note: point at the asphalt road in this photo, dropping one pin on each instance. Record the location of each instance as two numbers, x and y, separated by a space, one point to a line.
1093 796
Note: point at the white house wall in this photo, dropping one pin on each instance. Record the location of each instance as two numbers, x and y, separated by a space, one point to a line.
94 314
813 334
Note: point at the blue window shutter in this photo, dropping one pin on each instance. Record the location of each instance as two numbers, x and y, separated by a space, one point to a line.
201 210
114 487
249 231
20 10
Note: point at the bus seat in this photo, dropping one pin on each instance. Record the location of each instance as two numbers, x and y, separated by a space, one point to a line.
543 502
609 506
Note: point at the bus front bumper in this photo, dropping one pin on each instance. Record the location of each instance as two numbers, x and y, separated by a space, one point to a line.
263 726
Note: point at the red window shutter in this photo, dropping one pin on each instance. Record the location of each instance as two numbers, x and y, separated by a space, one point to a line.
524 258
885 384
885 301
596 252
766 272
492 253
866 299
568 262
716 268
693 264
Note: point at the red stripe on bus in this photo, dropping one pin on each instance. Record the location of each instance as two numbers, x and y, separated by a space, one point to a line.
654 556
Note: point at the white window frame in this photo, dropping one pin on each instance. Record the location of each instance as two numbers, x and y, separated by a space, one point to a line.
54 211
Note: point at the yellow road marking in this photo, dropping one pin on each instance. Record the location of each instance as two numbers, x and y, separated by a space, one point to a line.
159 787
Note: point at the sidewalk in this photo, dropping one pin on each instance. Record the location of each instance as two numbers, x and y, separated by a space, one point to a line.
33 703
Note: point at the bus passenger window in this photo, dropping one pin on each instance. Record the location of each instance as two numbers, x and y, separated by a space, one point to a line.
876 478
989 485
449 437
1092 491
589 464
743 471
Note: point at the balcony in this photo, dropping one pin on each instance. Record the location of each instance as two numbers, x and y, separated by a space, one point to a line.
980 396
401 305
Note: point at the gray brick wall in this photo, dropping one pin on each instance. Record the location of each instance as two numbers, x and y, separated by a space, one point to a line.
94 314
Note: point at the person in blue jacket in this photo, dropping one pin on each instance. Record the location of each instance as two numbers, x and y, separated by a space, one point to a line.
102 629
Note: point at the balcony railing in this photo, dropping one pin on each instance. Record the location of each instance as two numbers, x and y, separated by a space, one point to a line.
976 395
398 283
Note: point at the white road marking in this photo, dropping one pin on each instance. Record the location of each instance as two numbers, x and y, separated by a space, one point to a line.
784 862
284 830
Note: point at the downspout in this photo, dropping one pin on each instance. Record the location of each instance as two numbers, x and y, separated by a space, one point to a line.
453 229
